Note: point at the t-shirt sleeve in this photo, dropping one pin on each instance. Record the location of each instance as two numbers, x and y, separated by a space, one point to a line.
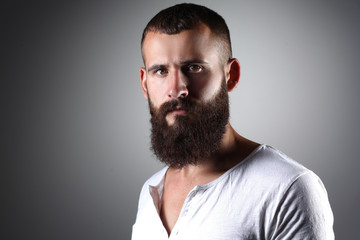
304 211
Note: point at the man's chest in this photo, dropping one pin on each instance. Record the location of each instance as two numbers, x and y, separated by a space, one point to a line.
172 202
199 217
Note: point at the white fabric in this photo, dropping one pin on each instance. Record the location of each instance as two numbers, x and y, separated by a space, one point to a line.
266 196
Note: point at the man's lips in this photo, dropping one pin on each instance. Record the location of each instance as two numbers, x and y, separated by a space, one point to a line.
178 111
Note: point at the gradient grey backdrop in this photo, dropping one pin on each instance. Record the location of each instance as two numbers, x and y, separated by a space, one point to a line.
75 126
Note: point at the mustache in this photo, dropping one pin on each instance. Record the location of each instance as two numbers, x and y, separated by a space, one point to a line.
186 104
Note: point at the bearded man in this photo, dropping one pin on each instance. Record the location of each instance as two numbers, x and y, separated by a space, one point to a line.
216 183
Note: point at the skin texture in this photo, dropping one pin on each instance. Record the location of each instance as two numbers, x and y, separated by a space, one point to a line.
188 65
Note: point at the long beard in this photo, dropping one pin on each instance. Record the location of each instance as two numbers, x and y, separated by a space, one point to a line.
194 136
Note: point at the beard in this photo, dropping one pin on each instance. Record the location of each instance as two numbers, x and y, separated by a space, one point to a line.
193 136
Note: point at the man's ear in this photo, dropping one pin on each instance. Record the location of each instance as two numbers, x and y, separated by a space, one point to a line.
232 71
143 82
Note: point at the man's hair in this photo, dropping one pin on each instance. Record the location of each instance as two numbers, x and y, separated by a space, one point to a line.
187 16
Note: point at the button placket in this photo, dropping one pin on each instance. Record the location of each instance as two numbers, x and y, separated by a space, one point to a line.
189 202
183 214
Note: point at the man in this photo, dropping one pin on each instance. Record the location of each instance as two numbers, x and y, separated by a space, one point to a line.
217 184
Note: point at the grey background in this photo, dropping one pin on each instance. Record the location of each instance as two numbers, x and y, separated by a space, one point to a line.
75 126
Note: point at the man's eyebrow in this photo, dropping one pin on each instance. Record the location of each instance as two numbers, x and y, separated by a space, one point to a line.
156 66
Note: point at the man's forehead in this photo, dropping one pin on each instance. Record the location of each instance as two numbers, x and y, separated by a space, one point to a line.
184 46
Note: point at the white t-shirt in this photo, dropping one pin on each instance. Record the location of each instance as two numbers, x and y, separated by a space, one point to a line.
265 196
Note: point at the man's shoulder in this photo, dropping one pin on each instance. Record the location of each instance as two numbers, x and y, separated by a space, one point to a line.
268 175
271 164
274 158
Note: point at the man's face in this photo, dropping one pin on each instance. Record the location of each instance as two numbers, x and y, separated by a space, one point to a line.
185 84
181 65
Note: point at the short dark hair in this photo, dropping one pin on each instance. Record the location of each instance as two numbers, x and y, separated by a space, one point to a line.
187 16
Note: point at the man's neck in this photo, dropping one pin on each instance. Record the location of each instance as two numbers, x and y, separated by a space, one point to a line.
233 149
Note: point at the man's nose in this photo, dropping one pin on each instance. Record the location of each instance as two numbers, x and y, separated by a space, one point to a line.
177 85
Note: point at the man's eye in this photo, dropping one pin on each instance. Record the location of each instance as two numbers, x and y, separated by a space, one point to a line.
195 68
161 72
